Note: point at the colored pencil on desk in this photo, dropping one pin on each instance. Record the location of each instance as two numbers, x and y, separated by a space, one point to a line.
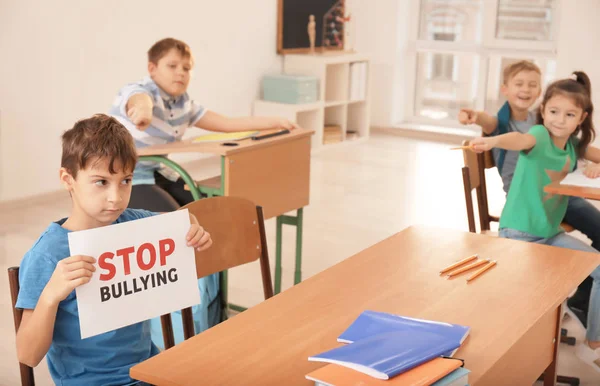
462 148
468 268
481 271
458 264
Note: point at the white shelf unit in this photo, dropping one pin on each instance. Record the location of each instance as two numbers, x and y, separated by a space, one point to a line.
334 105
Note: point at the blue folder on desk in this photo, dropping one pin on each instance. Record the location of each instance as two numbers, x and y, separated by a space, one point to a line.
386 355
371 323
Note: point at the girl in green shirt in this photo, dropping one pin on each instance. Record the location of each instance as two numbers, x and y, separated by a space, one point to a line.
548 152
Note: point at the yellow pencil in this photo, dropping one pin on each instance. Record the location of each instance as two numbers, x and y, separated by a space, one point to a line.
481 271
458 264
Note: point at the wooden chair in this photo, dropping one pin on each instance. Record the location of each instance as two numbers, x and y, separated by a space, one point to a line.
236 226
13 280
473 174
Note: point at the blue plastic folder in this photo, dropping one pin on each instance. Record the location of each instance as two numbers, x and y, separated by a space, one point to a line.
459 377
371 323
386 355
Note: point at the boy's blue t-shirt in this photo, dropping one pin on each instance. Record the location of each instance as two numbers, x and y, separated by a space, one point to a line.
104 359
509 163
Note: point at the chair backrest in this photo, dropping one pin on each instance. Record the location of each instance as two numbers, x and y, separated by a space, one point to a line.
13 280
236 226
474 178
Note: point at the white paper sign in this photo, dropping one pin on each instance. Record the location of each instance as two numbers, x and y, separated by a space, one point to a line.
144 269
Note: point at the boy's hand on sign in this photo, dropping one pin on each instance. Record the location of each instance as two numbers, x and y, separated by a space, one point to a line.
69 274
198 238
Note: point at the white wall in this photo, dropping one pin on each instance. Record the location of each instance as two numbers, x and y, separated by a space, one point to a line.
382 30
63 60
66 59
578 46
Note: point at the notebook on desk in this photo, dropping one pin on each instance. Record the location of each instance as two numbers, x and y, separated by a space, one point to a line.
384 356
423 375
371 323
577 178
221 137
459 377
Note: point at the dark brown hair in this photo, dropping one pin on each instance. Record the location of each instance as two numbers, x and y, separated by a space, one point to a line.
578 89
161 47
522 65
98 138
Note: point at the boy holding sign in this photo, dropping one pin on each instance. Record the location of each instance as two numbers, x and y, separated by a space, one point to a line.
97 164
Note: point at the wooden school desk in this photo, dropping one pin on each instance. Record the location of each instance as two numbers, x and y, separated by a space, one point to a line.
513 311
273 173
570 190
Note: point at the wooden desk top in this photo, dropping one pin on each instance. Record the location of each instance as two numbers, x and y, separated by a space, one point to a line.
189 146
269 344
570 190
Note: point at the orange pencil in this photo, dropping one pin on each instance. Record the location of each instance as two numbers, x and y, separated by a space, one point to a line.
458 264
462 148
481 271
468 267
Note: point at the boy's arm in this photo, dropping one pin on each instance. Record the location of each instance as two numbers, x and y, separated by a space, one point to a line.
139 110
487 122
511 141
37 326
216 122
35 333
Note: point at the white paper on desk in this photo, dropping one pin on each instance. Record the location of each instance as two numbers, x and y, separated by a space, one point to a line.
578 179
130 293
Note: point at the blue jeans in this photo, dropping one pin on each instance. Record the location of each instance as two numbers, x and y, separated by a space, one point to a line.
584 217
563 240
206 314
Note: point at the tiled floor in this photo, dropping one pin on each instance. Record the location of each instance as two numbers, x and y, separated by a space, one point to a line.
360 194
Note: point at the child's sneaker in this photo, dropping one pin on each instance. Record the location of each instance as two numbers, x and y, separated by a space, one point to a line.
579 303
576 314
589 355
